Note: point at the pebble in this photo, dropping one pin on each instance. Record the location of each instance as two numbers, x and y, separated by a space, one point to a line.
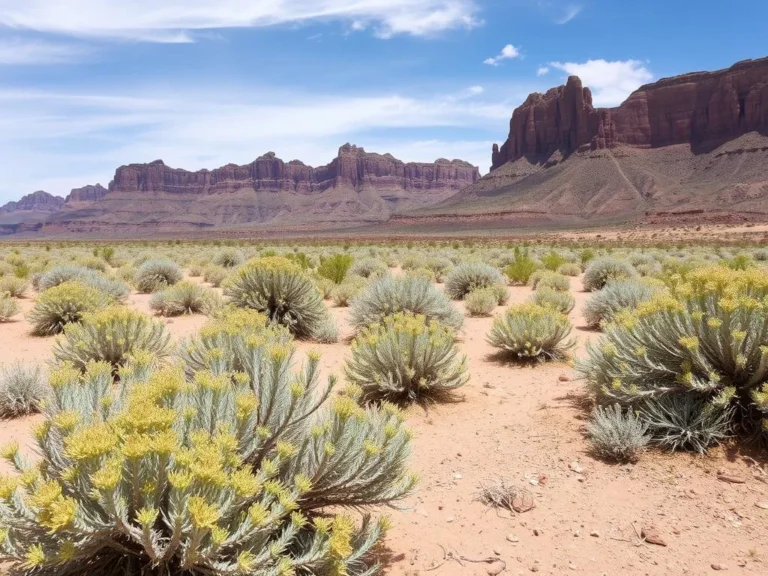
718 567
762 505
652 536
458 476
576 467
595 534
512 538
563 378
571 566
537 532
495 568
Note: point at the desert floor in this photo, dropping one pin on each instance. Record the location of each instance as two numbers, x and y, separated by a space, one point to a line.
527 425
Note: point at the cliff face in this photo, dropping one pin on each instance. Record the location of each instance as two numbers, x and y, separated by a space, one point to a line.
86 194
703 109
353 167
39 201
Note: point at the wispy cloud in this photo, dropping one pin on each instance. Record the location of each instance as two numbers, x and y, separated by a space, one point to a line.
26 52
569 13
610 82
175 20
54 137
509 52
542 71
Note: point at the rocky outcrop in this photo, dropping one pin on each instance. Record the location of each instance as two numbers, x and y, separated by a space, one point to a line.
353 167
39 201
89 193
702 109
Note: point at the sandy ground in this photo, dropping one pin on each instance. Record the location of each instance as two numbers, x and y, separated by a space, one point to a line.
526 424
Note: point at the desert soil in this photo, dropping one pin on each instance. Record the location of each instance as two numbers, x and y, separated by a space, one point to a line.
527 425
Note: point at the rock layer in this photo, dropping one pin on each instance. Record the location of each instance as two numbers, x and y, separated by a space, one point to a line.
39 201
702 109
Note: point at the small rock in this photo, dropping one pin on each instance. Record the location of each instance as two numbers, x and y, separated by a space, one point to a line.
718 567
512 538
563 378
571 566
537 532
534 568
652 535
497 551
576 467
576 534
449 519
762 505
458 476
534 481
495 568
725 476
595 534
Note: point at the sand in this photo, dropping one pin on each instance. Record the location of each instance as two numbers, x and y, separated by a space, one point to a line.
527 424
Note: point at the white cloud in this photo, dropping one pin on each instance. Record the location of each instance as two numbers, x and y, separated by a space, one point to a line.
610 82
24 52
55 140
560 11
509 52
542 71
177 20
475 90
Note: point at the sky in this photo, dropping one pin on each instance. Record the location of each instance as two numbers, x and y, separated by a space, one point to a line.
89 85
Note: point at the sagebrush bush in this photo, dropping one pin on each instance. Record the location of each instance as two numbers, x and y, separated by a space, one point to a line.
280 289
62 305
440 267
341 294
569 269
215 275
709 337
221 472
324 286
22 390
157 274
228 258
369 268
552 280
602 270
185 298
8 308
14 287
616 435
422 272
405 358
604 305
530 331
470 276
481 302
113 290
335 267
111 335
389 295
552 261
687 421
563 302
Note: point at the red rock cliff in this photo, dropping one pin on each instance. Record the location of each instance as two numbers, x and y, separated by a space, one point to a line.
353 167
701 108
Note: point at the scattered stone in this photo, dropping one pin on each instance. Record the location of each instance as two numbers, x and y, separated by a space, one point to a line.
458 476
571 566
512 538
725 476
762 505
718 567
595 534
449 519
576 467
497 551
652 535
576 534
534 481
534 568
495 568
563 378
537 532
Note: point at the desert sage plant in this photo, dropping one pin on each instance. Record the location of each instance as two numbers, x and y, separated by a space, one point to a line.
531 332
470 276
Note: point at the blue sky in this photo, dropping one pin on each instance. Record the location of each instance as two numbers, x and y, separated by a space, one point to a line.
88 85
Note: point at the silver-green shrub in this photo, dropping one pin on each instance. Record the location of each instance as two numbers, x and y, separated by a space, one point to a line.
185 298
111 335
563 302
602 270
369 268
470 276
220 472
228 258
114 290
215 275
62 305
481 302
157 274
14 287
552 280
569 269
389 295
530 331
687 421
8 308
616 435
603 305
22 390
343 293
280 289
708 337
405 358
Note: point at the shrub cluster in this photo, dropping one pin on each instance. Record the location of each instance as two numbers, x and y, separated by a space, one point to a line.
405 358
563 302
8 308
604 305
481 302
217 472
335 267
530 331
